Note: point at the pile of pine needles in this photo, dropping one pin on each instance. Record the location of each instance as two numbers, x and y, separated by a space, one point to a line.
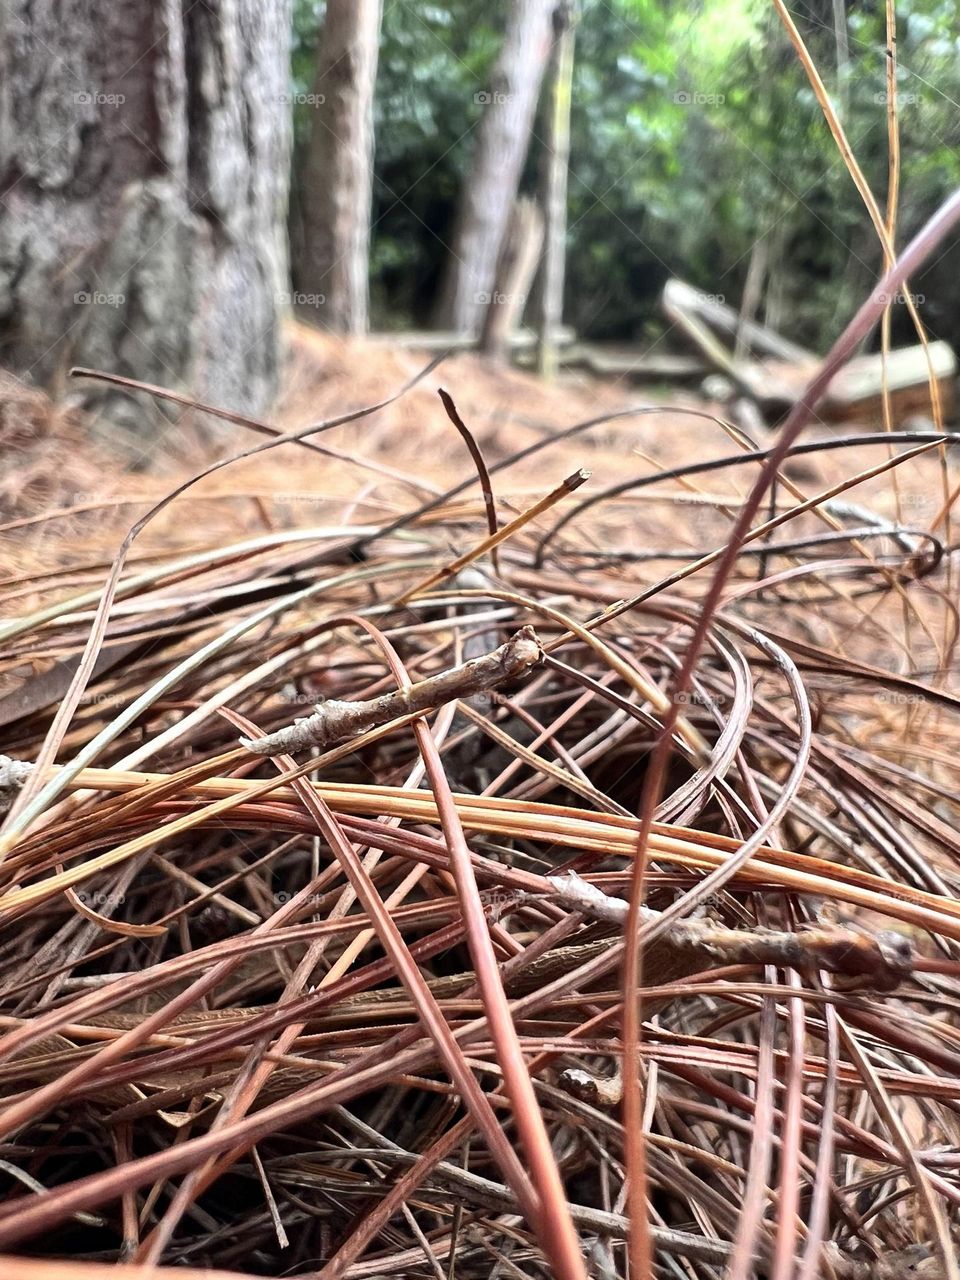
615 932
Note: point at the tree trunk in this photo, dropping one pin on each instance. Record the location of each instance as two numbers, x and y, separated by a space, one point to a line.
556 165
503 137
515 271
333 232
144 170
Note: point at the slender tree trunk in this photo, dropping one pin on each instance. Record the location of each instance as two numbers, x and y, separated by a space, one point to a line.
333 233
503 138
144 177
516 268
556 166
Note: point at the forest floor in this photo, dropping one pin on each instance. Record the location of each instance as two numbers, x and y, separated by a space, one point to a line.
69 489
819 720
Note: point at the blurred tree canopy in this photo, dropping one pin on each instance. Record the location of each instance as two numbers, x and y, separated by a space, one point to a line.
694 136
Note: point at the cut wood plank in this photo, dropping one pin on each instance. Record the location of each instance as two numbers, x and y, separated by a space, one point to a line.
447 340
861 380
776 384
609 359
677 294
855 394
856 391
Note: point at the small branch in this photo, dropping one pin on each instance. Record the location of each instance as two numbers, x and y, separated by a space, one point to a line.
580 895
882 960
877 961
334 720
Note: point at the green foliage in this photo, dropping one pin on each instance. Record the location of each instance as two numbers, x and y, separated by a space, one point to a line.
694 135
703 136
434 60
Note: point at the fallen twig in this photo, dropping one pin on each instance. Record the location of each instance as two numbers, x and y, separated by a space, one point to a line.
334 720
883 958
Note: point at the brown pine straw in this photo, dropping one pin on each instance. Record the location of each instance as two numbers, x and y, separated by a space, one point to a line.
865 319
346 1001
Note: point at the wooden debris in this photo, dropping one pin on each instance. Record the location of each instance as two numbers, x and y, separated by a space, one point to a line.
693 313
13 774
756 337
777 380
621 360
335 720
856 391
448 340
515 271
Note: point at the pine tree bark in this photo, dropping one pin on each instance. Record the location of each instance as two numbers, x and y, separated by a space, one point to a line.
509 106
144 166
332 232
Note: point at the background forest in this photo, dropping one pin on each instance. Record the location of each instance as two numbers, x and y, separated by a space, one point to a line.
172 190
697 147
